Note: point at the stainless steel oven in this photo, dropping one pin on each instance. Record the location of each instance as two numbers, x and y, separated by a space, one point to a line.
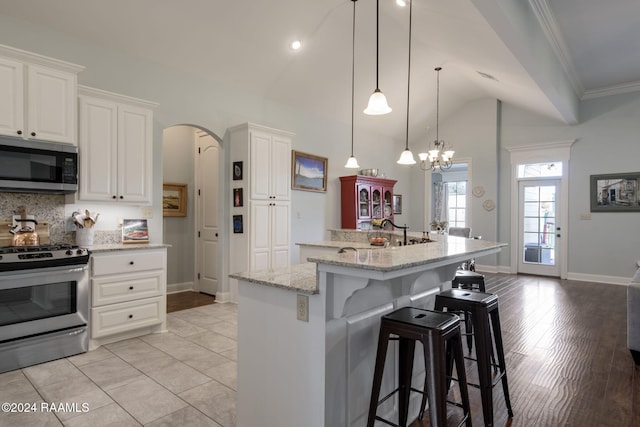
44 304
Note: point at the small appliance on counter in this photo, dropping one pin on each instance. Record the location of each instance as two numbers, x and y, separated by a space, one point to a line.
23 230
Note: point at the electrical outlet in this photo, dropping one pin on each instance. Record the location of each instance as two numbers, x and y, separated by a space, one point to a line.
302 307
585 216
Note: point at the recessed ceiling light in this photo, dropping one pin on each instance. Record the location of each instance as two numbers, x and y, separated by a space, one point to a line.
295 45
401 3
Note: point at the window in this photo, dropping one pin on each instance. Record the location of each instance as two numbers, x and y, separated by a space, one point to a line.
456 193
540 170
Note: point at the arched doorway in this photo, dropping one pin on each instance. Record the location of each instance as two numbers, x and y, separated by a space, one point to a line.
192 155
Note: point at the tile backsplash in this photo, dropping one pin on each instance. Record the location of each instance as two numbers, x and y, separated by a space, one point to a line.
45 207
50 208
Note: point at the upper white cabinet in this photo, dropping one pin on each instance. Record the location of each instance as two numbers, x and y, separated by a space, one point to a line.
270 165
115 147
37 96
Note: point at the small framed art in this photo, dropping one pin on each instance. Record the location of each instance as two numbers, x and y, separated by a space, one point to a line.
135 231
237 171
308 172
174 199
237 224
237 198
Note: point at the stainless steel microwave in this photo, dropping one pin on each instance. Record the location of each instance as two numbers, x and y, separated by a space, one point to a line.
38 167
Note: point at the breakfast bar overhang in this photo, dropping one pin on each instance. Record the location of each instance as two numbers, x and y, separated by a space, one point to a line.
319 372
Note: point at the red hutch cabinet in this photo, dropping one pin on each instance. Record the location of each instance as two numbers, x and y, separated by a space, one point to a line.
365 198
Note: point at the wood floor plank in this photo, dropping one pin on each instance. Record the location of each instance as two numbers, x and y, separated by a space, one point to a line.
566 355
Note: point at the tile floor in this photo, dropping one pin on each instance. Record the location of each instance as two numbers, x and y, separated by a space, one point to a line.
185 377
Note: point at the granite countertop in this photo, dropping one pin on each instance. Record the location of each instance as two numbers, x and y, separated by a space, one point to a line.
397 258
302 277
339 244
299 277
110 247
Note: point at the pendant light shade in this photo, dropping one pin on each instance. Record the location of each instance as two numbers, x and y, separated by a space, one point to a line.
406 157
377 101
352 163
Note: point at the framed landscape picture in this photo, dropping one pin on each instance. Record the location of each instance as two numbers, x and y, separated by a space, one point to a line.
174 199
616 192
308 172
135 231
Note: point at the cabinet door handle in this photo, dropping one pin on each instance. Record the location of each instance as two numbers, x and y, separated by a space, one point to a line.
121 197
19 132
130 288
130 262
33 134
114 197
131 316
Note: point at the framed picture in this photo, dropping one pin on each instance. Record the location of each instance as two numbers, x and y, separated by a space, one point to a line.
237 198
135 231
174 199
616 192
397 204
308 172
237 171
237 224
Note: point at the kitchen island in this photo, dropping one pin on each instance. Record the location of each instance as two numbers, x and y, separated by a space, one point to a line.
306 353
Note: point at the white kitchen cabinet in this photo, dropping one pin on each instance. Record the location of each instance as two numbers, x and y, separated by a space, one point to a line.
115 147
128 294
270 160
270 225
37 96
265 179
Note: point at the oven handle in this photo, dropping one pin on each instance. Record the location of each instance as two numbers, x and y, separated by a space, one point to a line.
39 272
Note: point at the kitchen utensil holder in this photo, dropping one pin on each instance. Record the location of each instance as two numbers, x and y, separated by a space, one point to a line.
84 236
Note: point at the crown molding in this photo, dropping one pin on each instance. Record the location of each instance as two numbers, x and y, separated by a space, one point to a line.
551 30
611 90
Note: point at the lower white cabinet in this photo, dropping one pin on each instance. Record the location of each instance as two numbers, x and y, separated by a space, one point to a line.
128 294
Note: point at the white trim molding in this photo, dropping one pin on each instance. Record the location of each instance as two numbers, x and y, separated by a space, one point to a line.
597 278
172 288
538 153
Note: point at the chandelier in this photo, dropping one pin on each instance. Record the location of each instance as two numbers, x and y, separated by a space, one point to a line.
440 154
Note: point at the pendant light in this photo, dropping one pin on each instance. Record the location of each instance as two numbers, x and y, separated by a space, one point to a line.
406 158
377 102
352 163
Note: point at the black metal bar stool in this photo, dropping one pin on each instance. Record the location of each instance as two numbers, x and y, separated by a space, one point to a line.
439 334
485 316
471 280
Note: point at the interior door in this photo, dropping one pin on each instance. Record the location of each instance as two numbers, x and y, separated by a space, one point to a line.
539 227
208 262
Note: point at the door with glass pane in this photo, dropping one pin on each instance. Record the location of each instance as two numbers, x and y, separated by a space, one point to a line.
539 228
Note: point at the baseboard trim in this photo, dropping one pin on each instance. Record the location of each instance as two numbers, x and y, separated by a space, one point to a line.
596 278
223 297
179 287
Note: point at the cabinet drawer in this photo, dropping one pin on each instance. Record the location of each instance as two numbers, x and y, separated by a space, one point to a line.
130 287
127 262
126 316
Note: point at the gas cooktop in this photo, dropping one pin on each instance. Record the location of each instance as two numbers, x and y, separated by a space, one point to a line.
14 258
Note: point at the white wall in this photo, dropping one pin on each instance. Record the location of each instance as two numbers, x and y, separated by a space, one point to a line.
606 247
178 167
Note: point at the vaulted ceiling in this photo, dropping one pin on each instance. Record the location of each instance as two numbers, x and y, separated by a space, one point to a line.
541 55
